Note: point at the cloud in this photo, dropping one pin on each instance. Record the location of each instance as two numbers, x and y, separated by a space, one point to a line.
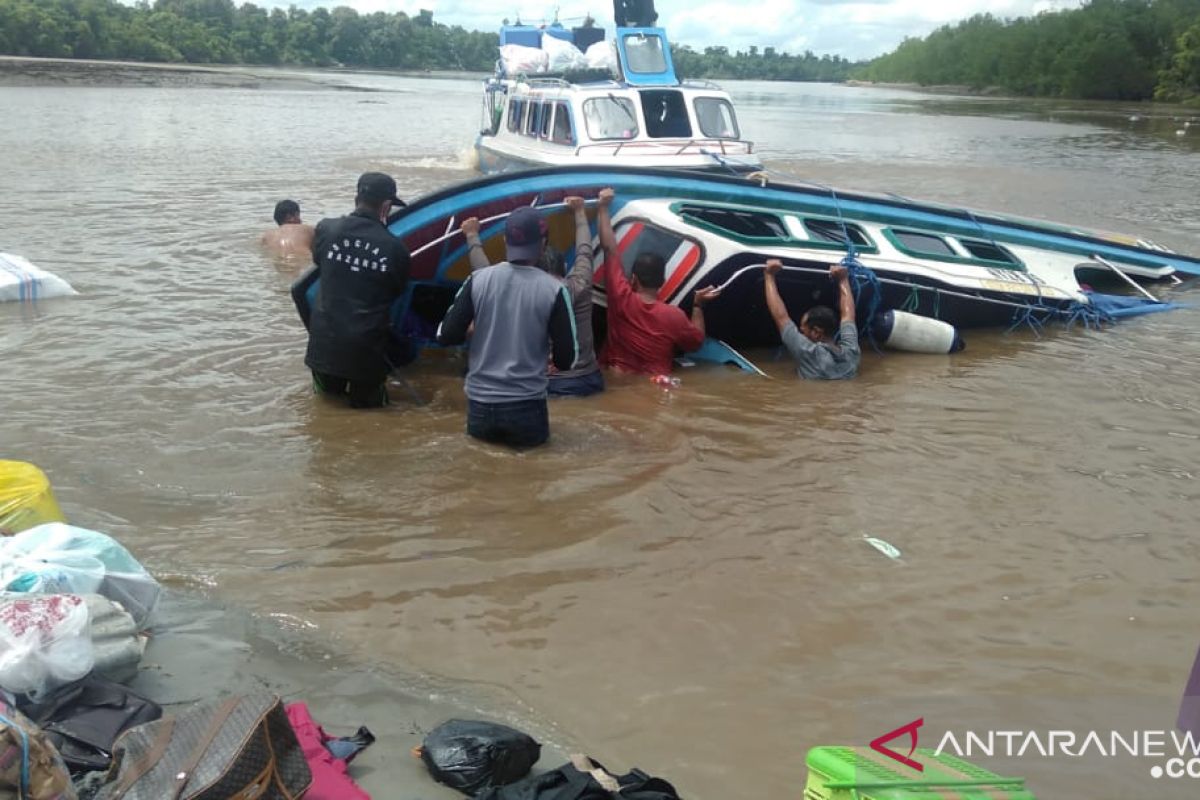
854 29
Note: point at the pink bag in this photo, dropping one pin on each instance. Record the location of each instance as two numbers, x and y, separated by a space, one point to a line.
330 780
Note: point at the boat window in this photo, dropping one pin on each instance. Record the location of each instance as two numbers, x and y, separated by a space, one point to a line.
531 118
644 54
988 251
716 119
563 133
924 243
830 230
610 117
515 109
547 109
740 223
666 114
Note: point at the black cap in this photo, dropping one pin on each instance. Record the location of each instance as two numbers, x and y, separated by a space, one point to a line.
377 186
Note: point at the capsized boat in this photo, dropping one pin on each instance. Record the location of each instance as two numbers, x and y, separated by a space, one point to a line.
627 108
971 269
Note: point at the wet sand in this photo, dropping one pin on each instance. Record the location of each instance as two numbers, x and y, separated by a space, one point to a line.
201 650
46 72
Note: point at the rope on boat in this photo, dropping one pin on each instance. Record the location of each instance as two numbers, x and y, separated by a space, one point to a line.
1075 312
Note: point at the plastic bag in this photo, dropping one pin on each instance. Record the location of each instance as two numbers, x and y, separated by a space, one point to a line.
45 642
23 282
60 557
602 55
562 56
518 59
25 497
471 756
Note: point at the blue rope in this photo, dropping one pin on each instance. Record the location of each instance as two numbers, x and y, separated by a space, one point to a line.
720 160
24 787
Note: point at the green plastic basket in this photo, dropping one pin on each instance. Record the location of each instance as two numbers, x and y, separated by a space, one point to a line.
859 773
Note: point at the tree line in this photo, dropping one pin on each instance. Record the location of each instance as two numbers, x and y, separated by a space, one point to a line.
769 65
1104 50
220 32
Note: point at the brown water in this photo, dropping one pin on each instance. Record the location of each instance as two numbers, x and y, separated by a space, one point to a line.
679 580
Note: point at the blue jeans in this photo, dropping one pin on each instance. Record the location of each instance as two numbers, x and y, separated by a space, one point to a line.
578 386
522 423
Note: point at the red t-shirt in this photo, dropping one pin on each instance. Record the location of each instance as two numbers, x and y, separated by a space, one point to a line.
642 337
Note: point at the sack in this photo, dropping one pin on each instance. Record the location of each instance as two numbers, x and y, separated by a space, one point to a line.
585 780
62 558
26 499
471 756
24 748
117 644
562 56
23 282
84 719
520 60
241 748
45 642
602 55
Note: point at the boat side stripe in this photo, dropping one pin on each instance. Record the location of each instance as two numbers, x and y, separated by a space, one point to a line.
688 256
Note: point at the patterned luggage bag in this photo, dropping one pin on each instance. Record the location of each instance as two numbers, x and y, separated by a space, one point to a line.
243 748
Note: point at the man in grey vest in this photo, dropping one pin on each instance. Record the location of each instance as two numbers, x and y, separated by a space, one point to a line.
519 313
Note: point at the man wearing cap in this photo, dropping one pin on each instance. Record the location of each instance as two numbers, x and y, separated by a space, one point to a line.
519 312
292 237
363 269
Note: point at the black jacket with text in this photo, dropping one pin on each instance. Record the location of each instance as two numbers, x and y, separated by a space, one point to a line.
363 270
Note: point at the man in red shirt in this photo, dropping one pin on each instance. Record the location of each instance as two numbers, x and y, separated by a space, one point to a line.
643 331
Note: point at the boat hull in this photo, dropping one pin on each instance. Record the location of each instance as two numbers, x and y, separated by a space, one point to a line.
429 227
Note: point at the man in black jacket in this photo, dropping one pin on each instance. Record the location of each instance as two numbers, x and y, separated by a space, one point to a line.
363 270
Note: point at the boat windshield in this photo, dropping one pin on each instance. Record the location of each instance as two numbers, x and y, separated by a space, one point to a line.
666 114
644 54
610 117
715 117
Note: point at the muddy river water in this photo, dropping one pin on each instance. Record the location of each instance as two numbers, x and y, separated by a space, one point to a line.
680 579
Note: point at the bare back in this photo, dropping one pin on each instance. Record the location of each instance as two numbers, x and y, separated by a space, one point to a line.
291 240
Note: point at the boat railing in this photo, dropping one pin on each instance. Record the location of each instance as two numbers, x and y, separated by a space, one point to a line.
453 228
726 146
699 83
554 82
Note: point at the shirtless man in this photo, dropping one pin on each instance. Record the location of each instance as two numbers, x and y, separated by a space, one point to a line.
292 238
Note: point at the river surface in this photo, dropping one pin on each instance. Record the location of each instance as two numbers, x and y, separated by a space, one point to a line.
680 580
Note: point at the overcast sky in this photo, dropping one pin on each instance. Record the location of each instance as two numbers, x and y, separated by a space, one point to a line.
851 28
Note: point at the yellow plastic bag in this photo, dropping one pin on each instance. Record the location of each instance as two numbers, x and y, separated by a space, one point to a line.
26 499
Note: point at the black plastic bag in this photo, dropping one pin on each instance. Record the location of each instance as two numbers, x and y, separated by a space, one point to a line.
84 718
472 756
569 783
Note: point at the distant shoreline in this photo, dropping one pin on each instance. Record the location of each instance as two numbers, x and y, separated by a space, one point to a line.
933 89
20 71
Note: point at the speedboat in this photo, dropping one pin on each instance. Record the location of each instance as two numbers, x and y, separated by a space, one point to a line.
623 107
970 269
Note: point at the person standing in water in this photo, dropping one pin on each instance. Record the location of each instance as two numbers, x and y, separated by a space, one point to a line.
823 348
518 314
644 333
363 270
292 237
585 378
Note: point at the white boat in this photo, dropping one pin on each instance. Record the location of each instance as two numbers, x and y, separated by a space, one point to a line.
631 112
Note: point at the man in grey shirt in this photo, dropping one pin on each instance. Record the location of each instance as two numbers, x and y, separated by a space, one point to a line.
585 378
821 347
519 313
